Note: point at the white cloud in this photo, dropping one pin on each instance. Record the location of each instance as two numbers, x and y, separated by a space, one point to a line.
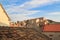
18 13
34 3
9 1
56 0
54 16
37 3
23 15
19 17
21 12
54 13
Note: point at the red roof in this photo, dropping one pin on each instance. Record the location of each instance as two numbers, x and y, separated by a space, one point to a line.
52 28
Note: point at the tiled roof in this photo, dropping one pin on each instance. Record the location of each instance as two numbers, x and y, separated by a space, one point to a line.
52 28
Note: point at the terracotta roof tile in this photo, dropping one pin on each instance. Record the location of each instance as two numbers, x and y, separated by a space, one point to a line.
52 28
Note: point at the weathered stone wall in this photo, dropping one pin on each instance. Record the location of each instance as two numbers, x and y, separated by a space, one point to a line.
53 35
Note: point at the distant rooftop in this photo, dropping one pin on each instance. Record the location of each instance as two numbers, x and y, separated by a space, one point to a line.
52 28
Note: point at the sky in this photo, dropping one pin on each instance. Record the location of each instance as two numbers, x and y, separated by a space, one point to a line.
19 10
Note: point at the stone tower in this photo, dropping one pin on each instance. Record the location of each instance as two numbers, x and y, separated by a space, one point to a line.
4 18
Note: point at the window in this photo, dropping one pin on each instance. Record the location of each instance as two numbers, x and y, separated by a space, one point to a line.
50 38
50 35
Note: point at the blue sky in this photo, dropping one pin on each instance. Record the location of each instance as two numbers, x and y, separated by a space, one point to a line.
19 10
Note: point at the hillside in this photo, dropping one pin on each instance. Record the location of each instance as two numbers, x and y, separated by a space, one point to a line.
52 22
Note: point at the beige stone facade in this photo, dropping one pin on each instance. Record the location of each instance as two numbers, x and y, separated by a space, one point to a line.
31 22
4 19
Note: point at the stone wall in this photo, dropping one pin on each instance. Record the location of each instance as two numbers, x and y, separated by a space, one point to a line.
4 19
31 22
53 35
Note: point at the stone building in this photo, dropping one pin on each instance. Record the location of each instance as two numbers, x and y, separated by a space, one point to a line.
41 25
52 31
36 22
4 18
